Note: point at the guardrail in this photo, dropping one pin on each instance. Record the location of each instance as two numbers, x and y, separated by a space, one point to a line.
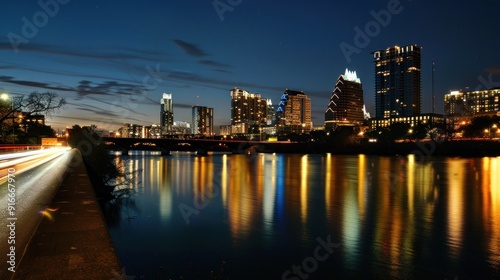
19 147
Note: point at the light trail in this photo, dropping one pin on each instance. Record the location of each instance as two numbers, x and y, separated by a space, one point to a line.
25 161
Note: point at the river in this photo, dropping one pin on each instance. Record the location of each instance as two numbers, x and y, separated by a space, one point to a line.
294 216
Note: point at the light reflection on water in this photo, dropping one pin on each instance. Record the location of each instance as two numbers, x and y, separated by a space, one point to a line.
393 216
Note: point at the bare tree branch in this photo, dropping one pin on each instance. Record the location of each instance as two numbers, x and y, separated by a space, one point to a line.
35 103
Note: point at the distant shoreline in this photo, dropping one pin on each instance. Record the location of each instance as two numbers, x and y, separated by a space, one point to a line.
455 148
427 148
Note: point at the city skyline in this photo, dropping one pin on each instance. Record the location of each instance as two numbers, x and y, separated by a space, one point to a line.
113 67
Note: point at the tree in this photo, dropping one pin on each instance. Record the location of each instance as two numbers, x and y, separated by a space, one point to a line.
110 178
420 131
35 131
35 103
399 130
481 126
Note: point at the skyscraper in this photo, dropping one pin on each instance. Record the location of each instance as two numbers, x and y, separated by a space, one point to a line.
346 103
271 113
166 112
398 81
294 112
203 120
248 108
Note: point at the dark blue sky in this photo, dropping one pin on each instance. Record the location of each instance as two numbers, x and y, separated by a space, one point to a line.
112 60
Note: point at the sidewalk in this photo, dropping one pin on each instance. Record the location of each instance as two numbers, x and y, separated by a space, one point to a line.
71 242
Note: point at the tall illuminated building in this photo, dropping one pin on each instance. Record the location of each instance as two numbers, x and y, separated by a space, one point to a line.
247 109
460 107
166 112
398 81
346 106
294 112
203 120
271 113
468 103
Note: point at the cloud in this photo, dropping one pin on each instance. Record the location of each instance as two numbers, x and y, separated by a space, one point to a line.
213 63
193 78
86 88
101 114
11 80
221 70
321 94
182 106
99 121
117 53
190 49
126 105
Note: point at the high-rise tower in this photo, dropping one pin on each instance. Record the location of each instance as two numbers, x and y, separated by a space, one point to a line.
203 120
346 103
247 108
294 112
166 112
398 81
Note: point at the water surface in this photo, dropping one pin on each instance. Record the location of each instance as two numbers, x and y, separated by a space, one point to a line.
281 216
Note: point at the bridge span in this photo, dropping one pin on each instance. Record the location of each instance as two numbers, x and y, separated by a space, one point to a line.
202 146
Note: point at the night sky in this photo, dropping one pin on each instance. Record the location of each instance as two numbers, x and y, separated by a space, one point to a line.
112 60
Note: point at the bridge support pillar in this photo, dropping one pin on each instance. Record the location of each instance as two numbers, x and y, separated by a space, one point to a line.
165 152
124 152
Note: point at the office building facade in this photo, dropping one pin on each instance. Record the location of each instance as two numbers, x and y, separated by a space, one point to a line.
346 107
398 81
469 103
203 120
248 108
294 113
461 107
129 130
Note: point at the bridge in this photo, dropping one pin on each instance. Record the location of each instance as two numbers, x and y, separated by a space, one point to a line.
201 146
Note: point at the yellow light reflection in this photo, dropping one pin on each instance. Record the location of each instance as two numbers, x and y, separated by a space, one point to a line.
361 185
494 190
350 224
383 211
456 185
242 198
410 182
303 187
224 180
328 182
48 213
165 186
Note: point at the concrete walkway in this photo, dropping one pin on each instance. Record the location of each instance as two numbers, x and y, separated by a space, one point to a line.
72 239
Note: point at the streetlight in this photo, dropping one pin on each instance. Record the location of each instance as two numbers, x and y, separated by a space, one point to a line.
5 96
